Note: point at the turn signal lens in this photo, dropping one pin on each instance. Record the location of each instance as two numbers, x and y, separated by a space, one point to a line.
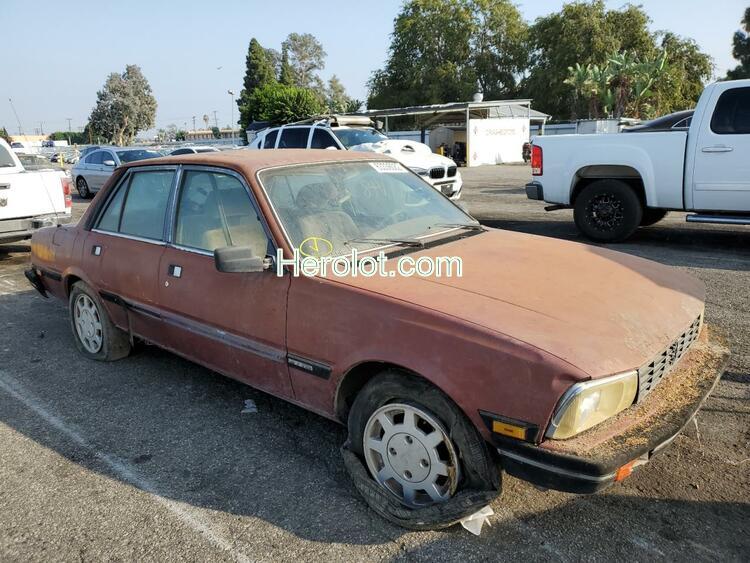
587 404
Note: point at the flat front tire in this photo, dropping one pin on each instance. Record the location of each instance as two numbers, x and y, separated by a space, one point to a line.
608 211
95 335
417 445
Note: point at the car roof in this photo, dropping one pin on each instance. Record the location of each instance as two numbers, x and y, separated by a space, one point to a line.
249 162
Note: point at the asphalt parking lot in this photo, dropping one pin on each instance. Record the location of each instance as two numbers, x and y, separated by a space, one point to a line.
151 458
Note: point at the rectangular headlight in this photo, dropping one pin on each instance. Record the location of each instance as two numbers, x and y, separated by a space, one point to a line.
588 403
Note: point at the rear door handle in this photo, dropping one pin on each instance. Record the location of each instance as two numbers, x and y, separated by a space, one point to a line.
717 148
175 271
96 250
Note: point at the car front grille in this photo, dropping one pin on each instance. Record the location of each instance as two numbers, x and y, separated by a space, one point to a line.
437 173
650 375
451 171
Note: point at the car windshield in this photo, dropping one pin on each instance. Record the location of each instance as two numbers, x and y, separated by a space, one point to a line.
353 137
132 155
359 205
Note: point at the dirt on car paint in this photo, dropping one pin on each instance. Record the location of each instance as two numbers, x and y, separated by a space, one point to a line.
666 407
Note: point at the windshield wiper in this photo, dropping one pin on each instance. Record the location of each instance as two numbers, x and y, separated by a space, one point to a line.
470 226
401 241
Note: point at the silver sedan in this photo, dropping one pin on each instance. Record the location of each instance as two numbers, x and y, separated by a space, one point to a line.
92 171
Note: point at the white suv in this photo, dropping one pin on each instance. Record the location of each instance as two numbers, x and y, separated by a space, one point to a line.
358 134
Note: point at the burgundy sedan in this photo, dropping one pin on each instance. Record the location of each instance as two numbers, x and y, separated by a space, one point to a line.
563 364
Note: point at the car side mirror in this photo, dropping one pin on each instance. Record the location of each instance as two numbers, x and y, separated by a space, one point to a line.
109 163
239 259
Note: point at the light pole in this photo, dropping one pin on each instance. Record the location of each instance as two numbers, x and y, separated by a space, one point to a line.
231 113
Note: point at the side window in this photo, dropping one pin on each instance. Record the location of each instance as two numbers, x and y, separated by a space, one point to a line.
270 140
322 139
110 219
215 211
294 138
146 204
95 157
732 113
181 151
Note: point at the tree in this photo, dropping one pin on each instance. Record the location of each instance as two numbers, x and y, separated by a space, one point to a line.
741 50
4 135
336 98
124 106
280 104
216 132
683 79
286 73
444 50
584 33
180 135
305 56
73 137
260 70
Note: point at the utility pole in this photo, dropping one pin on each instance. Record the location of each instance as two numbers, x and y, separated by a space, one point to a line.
231 113
20 129
216 121
193 124
41 127
69 131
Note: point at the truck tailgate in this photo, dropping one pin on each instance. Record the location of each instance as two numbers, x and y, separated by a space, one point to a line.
28 194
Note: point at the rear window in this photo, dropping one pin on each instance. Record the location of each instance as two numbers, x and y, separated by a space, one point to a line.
270 141
139 206
6 160
294 138
732 113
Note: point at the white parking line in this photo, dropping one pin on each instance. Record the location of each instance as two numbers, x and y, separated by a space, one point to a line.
123 470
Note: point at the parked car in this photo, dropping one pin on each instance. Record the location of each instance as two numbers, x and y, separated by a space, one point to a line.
359 134
92 171
577 368
677 121
193 150
87 150
616 183
30 200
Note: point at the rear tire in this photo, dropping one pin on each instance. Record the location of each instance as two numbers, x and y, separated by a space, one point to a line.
652 216
463 450
83 188
95 335
608 211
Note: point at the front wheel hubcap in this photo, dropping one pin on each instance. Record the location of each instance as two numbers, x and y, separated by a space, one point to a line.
409 452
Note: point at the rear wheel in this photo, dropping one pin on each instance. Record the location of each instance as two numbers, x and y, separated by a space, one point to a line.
652 216
95 335
608 211
83 188
418 446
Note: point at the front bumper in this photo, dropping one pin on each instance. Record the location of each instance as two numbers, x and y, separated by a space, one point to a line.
19 229
607 453
534 190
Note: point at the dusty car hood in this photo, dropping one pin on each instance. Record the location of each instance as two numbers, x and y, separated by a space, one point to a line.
601 311
409 153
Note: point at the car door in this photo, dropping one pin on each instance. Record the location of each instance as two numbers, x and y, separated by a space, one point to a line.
721 175
109 163
123 250
233 323
92 170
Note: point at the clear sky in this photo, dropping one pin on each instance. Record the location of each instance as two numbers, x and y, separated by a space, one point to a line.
58 54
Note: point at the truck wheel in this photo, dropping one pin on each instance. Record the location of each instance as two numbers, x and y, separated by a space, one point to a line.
607 211
652 216
83 188
95 335
419 448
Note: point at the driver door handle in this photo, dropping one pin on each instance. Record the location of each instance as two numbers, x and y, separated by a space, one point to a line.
175 271
717 148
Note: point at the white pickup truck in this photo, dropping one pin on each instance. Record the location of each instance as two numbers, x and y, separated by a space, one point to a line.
30 200
618 182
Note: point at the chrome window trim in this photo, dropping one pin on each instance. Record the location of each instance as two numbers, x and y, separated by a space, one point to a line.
218 170
130 237
576 389
280 223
